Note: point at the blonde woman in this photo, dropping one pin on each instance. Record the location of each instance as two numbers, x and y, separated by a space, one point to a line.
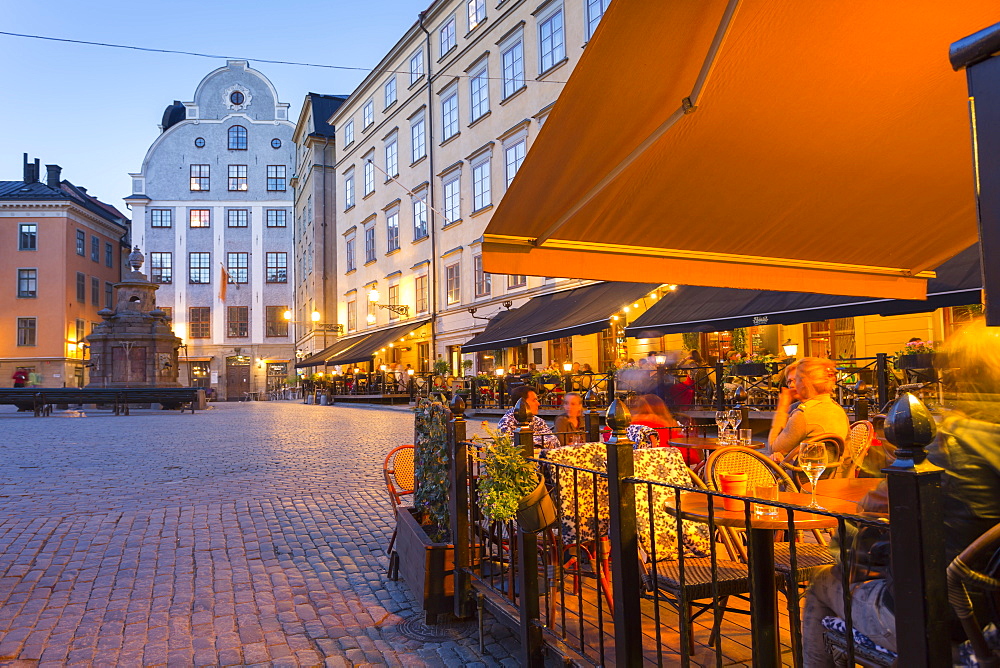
817 414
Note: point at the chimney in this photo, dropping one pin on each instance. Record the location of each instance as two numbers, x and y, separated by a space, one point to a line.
37 173
29 171
52 177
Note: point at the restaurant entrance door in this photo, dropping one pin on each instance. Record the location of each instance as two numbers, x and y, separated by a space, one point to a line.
237 377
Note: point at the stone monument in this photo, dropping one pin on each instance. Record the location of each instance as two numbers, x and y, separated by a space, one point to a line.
134 346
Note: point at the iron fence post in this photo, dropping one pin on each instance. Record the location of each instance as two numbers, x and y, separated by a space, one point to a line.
916 532
592 419
720 392
458 506
882 378
527 558
624 540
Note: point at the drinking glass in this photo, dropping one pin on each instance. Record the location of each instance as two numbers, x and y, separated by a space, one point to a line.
735 417
812 459
766 492
745 437
721 418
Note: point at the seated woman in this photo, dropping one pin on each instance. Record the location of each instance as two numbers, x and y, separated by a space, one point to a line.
817 413
570 428
651 425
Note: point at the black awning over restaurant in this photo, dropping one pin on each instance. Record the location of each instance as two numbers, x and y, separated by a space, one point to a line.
572 312
361 348
320 358
704 309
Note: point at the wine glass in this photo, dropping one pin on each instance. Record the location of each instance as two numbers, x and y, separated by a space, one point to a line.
735 417
812 459
721 419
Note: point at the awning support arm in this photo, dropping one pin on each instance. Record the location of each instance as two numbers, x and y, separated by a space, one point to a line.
688 105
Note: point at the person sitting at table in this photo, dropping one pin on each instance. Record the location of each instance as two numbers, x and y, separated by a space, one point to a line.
544 438
651 424
967 447
817 415
570 428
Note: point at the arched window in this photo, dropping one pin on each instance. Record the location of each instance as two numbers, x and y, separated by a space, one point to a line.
237 138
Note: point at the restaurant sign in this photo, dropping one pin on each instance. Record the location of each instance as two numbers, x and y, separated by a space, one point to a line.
759 320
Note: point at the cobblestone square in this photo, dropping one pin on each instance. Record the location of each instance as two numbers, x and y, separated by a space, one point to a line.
251 533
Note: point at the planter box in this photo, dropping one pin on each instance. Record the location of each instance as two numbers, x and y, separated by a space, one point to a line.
918 361
428 568
751 369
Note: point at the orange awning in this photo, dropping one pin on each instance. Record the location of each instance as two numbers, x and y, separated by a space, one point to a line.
827 151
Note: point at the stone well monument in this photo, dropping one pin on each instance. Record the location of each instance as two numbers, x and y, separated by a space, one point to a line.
134 346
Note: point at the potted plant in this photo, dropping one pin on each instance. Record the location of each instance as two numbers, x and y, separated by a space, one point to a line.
916 355
423 544
441 367
758 364
466 366
511 486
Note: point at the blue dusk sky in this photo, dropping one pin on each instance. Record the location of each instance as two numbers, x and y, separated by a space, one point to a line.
95 110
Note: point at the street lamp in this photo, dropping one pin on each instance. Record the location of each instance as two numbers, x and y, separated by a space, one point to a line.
398 309
791 349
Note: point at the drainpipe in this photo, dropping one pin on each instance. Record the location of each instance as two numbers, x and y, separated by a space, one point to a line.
432 223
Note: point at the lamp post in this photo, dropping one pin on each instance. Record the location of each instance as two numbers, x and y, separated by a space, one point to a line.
661 374
790 349
500 371
314 319
399 309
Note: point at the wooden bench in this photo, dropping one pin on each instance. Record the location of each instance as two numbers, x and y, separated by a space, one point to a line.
41 399
45 398
168 397
22 397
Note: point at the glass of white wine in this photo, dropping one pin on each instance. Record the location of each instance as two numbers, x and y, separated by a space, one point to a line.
812 459
721 419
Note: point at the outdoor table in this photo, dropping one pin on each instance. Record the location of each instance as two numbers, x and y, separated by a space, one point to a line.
705 444
848 489
763 586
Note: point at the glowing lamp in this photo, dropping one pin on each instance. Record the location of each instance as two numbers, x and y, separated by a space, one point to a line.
383 368
499 371
791 349
661 359
373 295
567 367
371 318
287 315
409 372
315 316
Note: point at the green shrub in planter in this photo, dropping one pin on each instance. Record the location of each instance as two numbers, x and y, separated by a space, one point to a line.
430 499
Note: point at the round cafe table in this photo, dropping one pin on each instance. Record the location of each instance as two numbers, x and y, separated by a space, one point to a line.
705 443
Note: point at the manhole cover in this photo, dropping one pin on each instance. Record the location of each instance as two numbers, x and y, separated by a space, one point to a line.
415 629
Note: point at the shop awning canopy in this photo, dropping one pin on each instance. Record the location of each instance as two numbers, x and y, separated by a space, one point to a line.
320 358
702 309
766 144
364 347
572 312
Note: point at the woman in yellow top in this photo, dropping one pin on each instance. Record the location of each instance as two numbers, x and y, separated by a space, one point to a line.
817 414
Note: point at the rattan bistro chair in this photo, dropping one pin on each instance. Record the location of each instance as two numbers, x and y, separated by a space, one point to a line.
859 441
398 470
977 568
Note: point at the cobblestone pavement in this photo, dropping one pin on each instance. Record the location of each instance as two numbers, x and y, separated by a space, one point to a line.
245 534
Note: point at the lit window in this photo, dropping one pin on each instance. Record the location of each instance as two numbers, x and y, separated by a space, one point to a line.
277 267
449 115
393 301
238 267
392 157
513 68
27 283
352 315
447 36
481 196
452 200
368 114
416 67
276 217
419 217
27 236
513 157
199 268
238 322
161 267
480 89
453 283
477 12
237 138
392 230
199 322
276 177
483 279
237 177
161 217
199 217
595 10
551 41
417 138
349 132
200 177
389 90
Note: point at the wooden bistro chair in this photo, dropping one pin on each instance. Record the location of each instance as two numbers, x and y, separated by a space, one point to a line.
398 471
977 568
808 556
859 441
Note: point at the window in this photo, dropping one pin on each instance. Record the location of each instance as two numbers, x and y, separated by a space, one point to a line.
417 136
483 279
551 40
161 217
449 115
480 87
352 315
275 143
238 177
238 267
81 287
95 249
477 12
349 132
199 142
349 190
200 177
238 322
276 177
389 91
368 114
109 255
594 11
274 321
513 68
392 157
392 230
452 200
95 291
238 217
416 67
481 196
276 217
80 330
372 316
27 283
393 301
421 289
161 267
446 36
27 236
199 217
199 322
25 331
109 295
369 173
516 281
277 267
198 267
419 217
453 283
370 244
237 138
513 157
81 243
349 251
